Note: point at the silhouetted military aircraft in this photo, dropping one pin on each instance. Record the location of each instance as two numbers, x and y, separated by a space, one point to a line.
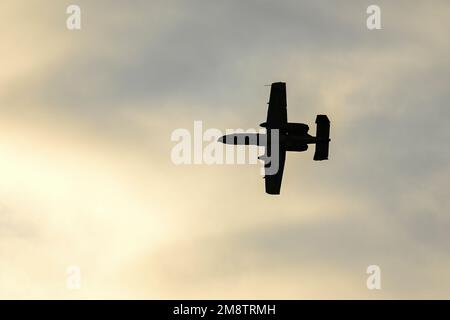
291 137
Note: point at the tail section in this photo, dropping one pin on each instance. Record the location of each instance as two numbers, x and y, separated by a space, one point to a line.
323 137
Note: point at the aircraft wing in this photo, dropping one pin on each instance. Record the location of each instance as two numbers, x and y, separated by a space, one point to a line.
277 112
273 182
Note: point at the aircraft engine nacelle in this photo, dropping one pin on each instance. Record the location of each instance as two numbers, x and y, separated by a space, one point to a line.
297 128
296 147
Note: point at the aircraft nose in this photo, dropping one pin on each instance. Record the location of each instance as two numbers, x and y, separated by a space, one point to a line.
221 139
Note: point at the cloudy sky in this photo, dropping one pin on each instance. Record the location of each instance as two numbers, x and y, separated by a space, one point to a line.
86 177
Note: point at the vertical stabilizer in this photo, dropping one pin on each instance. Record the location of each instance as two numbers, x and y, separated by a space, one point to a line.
323 136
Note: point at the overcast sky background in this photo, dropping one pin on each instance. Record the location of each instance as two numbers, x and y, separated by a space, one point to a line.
86 177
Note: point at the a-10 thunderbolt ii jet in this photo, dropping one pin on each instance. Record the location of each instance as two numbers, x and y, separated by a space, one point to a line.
282 136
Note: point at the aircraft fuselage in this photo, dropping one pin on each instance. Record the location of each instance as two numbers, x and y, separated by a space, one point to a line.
294 137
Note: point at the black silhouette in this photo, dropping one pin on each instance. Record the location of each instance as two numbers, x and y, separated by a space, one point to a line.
282 136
